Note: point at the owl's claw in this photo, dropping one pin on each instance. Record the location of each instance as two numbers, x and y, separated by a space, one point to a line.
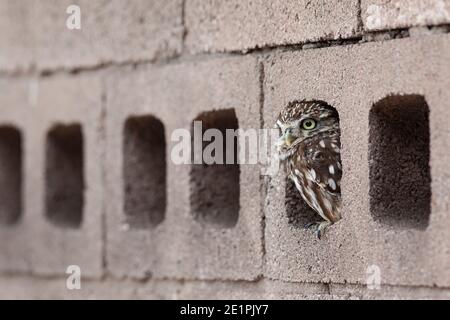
310 225
318 228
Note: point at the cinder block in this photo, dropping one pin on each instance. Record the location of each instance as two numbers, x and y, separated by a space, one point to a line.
63 168
383 92
111 31
393 14
215 25
20 287
16 40
390 292
14 226
178 239
52 199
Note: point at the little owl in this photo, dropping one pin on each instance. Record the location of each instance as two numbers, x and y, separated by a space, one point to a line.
309 149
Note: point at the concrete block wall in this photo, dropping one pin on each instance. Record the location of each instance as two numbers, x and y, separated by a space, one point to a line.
179 246
401 242
86 123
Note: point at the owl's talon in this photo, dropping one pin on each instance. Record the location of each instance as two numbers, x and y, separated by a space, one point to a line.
318 228
310 225
322 228
313 227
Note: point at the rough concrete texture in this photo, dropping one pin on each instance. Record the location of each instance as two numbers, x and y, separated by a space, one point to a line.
16 40
352 79
179 245
50 220
393 14
35 35
14 229
26 287
216 25
22 287
65 198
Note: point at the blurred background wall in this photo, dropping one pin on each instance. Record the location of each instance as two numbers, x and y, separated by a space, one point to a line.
92 205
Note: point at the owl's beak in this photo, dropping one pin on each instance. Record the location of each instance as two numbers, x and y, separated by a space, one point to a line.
288 138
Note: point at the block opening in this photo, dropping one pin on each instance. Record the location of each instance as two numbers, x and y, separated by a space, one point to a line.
399 155
215 189
144 172
64 176
298 212
10 175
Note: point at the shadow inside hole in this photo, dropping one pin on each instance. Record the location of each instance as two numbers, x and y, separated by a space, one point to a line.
144 172
64 176
10 175
298 212
399 155
215 189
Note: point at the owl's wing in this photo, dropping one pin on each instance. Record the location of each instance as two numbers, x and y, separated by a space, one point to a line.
318 168
324 162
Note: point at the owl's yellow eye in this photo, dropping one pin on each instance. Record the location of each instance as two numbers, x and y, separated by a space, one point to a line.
308 124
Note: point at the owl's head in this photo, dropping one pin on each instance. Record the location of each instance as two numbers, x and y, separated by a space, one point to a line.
301 121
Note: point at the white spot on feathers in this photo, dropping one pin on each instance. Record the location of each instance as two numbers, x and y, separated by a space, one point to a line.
322 143
313 174
331 169
332 184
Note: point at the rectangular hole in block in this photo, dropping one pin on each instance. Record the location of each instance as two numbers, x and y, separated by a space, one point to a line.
298 212
144 171
215 190
10 175
64 176
320 150
399 155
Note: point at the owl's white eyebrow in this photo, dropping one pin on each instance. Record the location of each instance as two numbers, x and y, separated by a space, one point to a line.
304 117
280 124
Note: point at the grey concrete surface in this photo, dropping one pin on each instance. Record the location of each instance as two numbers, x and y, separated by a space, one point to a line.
353 79
181 246
215 25
35 35
55 244
15 235
393 14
